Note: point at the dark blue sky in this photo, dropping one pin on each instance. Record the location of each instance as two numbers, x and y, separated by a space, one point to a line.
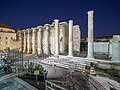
21 14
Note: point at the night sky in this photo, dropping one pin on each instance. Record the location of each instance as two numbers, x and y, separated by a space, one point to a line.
20 14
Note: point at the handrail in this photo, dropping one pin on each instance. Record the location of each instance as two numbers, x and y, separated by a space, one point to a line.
53 84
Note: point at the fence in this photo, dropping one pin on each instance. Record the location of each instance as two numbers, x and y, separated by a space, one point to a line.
52 86
10 60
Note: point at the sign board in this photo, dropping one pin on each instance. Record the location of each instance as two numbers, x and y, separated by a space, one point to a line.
36 72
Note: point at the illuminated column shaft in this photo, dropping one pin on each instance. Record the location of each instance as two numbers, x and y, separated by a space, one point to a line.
33 41
70 52
28 42
47 38
90 35
24 49
39 40
56 37
20 40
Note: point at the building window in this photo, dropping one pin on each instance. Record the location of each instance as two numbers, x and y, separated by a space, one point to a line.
0 37
11 38
6 38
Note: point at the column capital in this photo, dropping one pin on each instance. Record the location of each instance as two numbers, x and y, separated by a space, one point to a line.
19 32
39 27
63 23
34 29
56 20
90 12
28 30
24 31
70 21
47 26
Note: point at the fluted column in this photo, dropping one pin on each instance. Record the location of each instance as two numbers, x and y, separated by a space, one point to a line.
28 41
25 39
47 28
39 40
33 41
56 37
20 40
70 52
90 35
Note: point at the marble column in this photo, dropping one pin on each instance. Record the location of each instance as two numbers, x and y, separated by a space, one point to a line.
90 35
20 40
25 39
33 40
70 51
47 28
28 41
56 37
39 39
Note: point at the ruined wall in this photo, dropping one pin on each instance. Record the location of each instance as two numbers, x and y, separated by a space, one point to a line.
76 40
101 47
48 39
63 37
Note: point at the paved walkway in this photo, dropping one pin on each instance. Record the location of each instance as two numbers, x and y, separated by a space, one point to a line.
15 83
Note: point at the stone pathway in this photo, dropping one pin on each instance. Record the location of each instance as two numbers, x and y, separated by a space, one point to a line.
15 83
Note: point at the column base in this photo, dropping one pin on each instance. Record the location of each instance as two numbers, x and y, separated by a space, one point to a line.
33 53
90 57
24 51
39 51
57 56
69 55
28 52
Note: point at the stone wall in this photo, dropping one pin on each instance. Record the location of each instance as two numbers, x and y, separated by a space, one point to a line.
112 48
76 40
101 47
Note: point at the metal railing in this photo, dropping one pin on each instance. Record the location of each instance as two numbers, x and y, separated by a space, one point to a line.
52 86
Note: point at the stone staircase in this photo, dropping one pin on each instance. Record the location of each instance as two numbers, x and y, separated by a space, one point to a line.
77 63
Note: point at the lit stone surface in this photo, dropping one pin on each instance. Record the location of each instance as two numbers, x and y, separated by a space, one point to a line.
62 37
101 47
90 35
39 39
28 41
25 41
56 37
51 39
46 39
70 51
116 48
76 40
33 40
20 39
